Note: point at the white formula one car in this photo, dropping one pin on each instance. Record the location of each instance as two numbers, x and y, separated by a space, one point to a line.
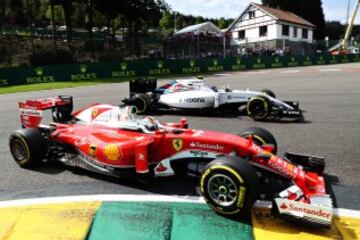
195 94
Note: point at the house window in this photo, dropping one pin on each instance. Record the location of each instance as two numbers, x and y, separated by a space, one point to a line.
251 14
305 34
263 31
295 32
241 34
285 30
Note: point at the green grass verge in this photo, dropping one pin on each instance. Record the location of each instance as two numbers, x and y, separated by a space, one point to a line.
53 85
71 84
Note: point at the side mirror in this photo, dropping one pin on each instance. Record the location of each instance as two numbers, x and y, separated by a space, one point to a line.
264 155
268 147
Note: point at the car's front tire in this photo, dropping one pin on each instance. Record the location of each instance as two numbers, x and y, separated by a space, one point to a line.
259 107
142 103
229 185
260 136
27 146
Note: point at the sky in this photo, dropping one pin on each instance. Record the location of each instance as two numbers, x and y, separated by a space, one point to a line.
333 9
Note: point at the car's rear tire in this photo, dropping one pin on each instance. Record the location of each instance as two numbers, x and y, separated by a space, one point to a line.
260 136
142 103
229 185
27 146
259 107
269 92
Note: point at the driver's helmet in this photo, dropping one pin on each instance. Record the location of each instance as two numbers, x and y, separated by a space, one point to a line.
149 123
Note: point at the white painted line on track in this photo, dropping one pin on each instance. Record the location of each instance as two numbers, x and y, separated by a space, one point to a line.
290 71
330 70
223 74
142 198
103 197
253 73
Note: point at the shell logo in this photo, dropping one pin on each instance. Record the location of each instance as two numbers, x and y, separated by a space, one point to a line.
112 152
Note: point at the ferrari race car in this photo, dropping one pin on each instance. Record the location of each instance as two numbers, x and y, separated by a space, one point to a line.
194 95
234 170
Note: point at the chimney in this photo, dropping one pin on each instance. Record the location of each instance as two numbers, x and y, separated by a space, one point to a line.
278 7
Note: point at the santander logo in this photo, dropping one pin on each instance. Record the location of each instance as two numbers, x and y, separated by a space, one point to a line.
160 168
317 212
284 206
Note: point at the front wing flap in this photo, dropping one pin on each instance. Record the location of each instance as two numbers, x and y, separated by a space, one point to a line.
312 212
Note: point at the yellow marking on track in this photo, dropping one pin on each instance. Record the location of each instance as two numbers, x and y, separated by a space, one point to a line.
48 221
267 227
348 227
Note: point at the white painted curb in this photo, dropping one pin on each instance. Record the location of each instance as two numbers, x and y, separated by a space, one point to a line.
141 198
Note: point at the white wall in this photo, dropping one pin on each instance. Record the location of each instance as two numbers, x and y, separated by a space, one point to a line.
251 27
291 33
253 34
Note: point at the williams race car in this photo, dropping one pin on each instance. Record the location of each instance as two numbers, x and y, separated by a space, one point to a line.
234 170
194 95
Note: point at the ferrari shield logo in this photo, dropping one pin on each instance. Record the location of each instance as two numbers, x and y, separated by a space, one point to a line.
177 144
94 113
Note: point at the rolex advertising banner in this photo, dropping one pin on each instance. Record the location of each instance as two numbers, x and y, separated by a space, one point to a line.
157 68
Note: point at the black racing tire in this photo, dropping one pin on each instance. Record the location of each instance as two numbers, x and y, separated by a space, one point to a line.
142 103
259 107
269 92
27 146
229 185
260 136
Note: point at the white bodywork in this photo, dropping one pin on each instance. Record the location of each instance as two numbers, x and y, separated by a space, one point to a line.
196 94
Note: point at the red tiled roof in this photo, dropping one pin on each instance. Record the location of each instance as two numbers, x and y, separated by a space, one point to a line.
284 15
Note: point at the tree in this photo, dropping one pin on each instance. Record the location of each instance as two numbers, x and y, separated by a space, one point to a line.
166 21
68 11
310 10
16 14
222 24
199 20
2 11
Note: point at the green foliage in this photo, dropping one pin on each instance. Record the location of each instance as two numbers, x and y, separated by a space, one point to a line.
59 14
166 21
222 23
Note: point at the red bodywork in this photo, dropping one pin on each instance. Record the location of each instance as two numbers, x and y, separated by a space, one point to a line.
96 137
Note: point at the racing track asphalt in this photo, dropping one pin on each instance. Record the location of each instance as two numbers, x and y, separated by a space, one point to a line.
329 94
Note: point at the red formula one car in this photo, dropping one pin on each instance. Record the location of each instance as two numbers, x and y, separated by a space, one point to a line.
233 170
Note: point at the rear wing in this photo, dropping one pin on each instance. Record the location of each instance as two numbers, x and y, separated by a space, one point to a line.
31 110
142 85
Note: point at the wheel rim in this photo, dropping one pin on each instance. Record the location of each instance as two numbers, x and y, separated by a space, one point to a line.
19 150
222 190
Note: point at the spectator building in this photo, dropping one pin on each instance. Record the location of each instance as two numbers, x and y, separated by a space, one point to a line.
196 41
270 30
